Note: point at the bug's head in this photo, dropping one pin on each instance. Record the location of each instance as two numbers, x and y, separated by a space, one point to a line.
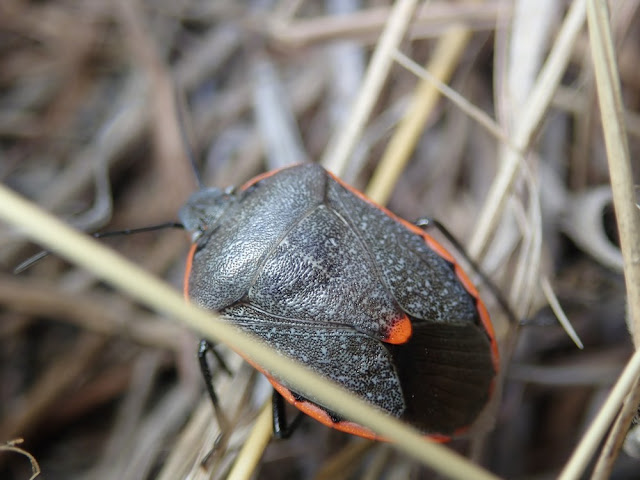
203 210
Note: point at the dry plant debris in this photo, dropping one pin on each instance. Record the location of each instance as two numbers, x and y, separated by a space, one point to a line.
483 114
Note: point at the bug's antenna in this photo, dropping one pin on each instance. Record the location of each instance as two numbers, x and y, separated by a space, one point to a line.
130 231
44 253
188 146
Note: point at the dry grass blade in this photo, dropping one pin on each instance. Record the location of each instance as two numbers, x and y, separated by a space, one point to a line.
113 461
532 115
341 147
560 315
92 83
624 197
467 107
592 438
366 25
612 112
616 438
103 315
398 152
249 456
274 118
115 270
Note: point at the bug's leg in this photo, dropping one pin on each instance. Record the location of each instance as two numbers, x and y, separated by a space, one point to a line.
203 349
427 223
280 428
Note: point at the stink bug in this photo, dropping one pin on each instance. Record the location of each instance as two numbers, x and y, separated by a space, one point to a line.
322 274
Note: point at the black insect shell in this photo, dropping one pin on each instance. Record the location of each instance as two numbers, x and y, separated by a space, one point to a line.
323 276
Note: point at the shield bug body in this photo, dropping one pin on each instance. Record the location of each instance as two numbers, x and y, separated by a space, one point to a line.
324 275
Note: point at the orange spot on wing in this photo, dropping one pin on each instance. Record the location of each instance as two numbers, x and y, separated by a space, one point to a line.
400 332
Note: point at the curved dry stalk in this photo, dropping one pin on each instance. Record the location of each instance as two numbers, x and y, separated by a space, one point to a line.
584 224
10 446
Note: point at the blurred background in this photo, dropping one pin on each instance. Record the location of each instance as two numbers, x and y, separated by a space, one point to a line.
93 97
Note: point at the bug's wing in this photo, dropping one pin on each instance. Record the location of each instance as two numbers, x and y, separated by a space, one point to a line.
422 283
230 253
321 272
447 365
438 381
360 363
448 370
